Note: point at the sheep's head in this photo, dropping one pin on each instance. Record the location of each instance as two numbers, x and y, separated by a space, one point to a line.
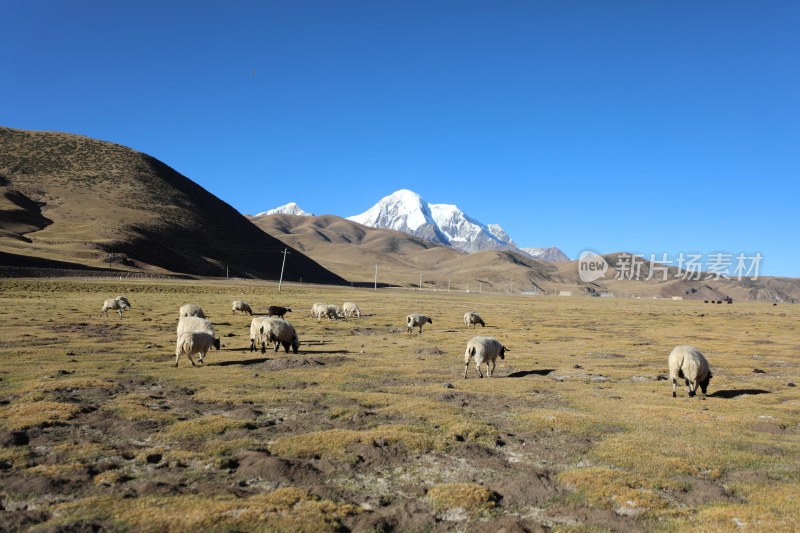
295 345
503 351
704 384
216 344
481 322
430 320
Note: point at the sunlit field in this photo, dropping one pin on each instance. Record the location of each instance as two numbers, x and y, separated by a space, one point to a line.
374 428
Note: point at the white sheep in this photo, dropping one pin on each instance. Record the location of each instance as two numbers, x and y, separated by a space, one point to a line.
118 304
195 323
483 350
688 363
255 333
194 342
315 309
239 305
191 310
417 320
331 312
351 309
280 332
472 318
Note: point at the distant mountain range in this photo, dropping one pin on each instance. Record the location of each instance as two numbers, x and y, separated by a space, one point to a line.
75 203
407 211
287 209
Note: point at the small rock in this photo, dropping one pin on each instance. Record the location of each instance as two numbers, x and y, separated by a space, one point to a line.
148 346
70 354
230 334
758 371
449 386
577 366
791 384
5 465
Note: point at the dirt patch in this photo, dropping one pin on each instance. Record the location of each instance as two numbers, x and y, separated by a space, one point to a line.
257 465
528 489
430 351
304 362
91 330
509 524
606 355
405 515
702 492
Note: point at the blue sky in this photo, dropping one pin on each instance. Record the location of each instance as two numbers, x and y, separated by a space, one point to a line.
652 127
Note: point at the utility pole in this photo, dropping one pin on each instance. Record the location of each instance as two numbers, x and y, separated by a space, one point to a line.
285 252
480 287
420 281
376 276
448 284
227 271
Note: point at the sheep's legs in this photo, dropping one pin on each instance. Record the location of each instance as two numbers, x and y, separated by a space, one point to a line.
490 372
478 366
674 387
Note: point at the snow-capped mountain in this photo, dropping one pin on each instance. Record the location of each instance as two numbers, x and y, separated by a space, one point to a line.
289 209
551 254
407 211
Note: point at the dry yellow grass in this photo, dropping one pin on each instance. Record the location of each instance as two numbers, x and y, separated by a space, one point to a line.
578 411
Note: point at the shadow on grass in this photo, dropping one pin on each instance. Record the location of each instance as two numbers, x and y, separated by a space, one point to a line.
728 394
523 373
323 351
243 362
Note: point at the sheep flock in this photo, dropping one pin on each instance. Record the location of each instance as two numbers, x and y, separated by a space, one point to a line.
197 335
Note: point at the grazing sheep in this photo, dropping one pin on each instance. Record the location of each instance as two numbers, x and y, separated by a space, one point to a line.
118 304
331 312
417 320
483 350
239 305
688 363
195 323
351 309
194 342
280 332
255 333
472 319
191 310
276 310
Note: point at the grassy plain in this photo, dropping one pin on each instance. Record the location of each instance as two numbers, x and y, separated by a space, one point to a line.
372 428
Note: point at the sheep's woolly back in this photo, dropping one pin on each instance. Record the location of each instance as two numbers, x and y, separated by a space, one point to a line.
472 318
255 331
194 342
280 331
191 310
195 323
688 363
351 309
239 305
416 319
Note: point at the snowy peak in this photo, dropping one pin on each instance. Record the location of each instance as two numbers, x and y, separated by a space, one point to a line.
403 210
407 211
551 254
289 209
501 234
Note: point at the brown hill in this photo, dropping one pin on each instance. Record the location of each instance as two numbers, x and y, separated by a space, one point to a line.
69 199
352 251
